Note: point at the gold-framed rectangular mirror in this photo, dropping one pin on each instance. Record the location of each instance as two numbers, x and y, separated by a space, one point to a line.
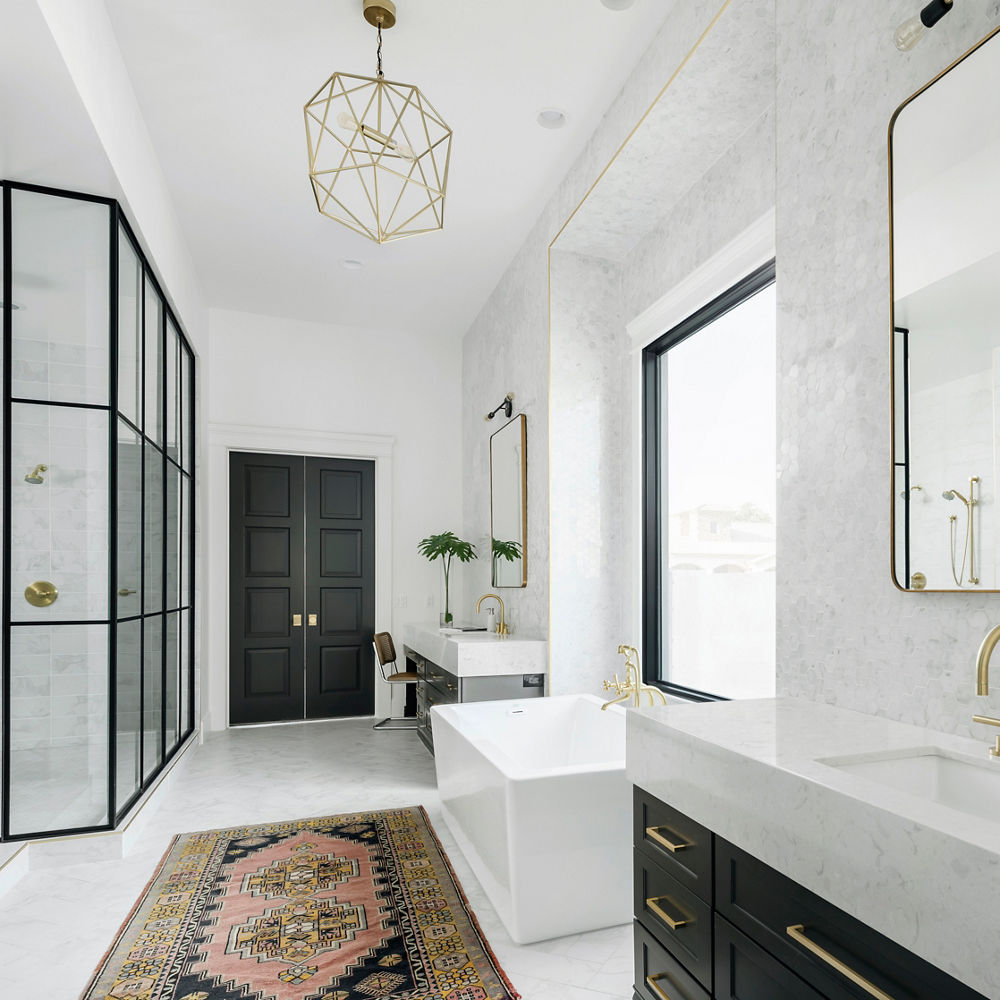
944 155
509 504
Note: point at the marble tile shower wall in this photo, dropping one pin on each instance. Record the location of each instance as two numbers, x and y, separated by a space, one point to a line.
42 369
845 635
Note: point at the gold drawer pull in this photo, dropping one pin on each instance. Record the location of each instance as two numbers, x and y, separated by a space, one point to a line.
797 933
653 983
654 905
653 832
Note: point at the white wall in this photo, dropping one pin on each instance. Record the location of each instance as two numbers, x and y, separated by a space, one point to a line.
312 383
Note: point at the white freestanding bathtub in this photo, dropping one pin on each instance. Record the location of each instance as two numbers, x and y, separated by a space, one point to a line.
535 794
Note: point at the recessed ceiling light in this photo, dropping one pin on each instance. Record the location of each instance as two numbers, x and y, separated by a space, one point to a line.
350 264
551 118
617 4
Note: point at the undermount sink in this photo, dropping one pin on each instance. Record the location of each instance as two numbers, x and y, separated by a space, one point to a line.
966 784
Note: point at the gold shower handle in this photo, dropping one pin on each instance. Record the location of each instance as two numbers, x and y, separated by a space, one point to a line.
41 593
125 592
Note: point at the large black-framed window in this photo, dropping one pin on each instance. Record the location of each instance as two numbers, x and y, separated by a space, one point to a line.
98 501
708 401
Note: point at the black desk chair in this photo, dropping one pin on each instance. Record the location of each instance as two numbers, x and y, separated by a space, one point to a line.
385 652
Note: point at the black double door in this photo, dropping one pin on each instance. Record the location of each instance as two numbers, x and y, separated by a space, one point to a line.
302 588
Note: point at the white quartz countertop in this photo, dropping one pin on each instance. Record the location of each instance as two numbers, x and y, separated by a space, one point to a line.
924 874
478 654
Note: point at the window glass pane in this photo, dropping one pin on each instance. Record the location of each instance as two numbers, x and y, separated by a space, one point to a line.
60 295
153 531
129 330
59 513
58 727
128 583
129 711
152 667
173 389
154 365
718 499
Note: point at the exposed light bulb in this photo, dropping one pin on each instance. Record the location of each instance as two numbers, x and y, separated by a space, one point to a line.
346 120
914 28
909 33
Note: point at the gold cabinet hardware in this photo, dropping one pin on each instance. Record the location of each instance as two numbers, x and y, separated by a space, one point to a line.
654 905
41 593
653 983
653 832
296 621
314 619
435 677
797 933
452 687
126 592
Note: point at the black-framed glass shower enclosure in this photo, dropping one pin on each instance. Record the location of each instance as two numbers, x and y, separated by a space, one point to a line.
98 517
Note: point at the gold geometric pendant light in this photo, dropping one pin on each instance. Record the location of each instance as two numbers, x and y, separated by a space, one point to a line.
378 151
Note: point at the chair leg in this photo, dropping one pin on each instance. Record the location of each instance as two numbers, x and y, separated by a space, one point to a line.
387 725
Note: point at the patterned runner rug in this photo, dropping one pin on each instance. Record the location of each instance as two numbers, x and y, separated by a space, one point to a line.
352 907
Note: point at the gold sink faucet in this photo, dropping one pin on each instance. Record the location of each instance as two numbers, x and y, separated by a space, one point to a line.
632 686
983 680
502 627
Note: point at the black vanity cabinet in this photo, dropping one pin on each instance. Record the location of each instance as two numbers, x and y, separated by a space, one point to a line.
711 921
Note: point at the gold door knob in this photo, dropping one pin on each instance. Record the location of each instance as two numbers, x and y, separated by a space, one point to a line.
314 619
296 621
41 593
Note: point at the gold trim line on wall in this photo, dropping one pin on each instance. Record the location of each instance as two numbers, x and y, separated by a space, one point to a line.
41 593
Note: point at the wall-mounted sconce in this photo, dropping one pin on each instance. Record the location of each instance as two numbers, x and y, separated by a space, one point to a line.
913 29
507 406
35 476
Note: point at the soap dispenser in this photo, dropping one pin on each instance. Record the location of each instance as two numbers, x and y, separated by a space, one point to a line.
491 625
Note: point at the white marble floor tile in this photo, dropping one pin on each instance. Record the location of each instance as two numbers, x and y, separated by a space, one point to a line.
248 776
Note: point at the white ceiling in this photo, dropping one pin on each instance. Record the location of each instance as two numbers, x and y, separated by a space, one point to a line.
222 85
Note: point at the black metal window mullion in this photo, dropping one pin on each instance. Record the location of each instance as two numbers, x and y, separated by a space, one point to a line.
164 530
113 517
8 293
141 415
653 520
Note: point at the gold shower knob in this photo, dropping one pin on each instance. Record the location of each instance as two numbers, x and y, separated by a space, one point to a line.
41 593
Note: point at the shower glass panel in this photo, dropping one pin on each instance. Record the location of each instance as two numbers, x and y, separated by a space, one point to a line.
129 582
60 262
153 425
129 331
172 692
152 694
128 732
172 596
153 531
187 658
173 388
59 526
58 727
97 666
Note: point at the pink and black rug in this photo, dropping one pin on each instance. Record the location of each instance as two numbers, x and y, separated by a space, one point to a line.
352 907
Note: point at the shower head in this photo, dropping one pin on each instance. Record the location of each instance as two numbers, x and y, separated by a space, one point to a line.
951 494
35 476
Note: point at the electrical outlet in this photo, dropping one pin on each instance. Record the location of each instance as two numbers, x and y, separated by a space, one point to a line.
401 600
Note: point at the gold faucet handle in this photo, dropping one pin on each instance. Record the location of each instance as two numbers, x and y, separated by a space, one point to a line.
986 720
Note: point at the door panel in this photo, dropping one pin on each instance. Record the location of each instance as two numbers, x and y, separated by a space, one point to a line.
266 580
340 587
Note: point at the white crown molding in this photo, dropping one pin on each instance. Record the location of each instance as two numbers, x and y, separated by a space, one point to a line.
752 248
299 440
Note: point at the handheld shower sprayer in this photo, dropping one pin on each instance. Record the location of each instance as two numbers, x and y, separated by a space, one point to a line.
951 494
969 543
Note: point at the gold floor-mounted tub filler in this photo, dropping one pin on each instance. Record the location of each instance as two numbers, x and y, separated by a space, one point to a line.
632 686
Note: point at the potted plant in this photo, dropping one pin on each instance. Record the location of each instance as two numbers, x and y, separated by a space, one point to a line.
446 546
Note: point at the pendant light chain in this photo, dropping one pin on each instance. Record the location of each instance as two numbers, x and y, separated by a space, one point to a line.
380 73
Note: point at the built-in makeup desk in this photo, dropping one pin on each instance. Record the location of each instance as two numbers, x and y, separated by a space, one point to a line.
471 666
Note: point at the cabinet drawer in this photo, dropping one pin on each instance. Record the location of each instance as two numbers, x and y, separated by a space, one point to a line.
658 975
681 846
675 915
744 971
821 943
445 681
